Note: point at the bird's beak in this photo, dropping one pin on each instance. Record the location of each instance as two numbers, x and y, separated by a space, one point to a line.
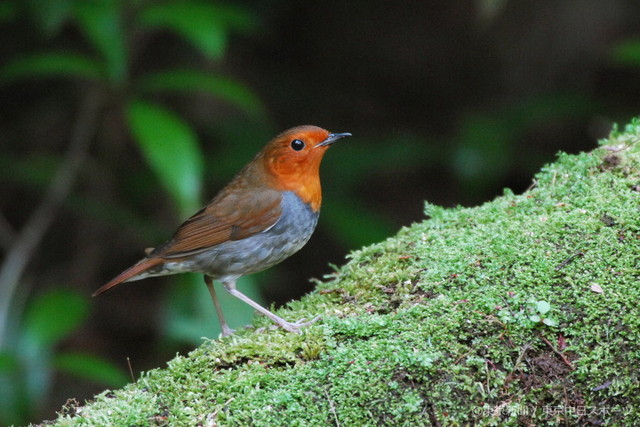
333 137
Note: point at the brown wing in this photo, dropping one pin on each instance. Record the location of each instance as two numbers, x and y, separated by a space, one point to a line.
232 215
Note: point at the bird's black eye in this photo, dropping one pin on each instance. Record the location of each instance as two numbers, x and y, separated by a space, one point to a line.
297 144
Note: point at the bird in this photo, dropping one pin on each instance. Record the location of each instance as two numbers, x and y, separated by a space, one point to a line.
265 214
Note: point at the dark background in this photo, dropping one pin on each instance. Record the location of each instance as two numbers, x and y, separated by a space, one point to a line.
448 102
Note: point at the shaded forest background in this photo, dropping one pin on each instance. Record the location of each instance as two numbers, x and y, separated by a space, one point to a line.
140 111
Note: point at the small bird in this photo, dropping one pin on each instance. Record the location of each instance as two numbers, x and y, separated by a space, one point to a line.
263 216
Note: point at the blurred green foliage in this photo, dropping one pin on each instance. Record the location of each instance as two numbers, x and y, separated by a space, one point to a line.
30 355
484 144
167 141
172 151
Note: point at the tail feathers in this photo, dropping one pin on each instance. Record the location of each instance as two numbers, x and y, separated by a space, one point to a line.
128 274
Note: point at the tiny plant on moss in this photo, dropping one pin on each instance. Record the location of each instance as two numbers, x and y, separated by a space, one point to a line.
527 314
539 310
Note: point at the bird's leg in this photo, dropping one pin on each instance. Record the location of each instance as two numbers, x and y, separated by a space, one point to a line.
226 330
288 326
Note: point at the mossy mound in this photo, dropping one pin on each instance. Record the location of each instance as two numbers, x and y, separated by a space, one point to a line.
524 310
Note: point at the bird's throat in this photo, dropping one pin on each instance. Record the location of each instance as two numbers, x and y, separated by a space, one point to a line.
301 179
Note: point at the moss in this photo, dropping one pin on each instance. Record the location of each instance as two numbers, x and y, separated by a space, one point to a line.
521 311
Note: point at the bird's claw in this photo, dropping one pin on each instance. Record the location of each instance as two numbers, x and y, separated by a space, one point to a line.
295 327
226 332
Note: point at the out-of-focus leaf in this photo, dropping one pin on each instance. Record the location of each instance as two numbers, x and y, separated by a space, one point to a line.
530 112
47 65
171 149
482 154
206 25
239 143
354 225
35 171
53 315
91 368
101 23
190 81
627 53
49 15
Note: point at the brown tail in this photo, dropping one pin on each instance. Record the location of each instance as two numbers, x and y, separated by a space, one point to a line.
130 272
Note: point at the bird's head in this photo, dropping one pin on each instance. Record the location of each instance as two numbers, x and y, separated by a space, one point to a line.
293 160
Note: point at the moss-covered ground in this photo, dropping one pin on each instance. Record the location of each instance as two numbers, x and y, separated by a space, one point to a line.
522 311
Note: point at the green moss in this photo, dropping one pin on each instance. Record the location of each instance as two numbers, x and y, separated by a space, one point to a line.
443 323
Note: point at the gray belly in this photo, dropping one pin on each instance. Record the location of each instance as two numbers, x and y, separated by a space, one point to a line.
233 259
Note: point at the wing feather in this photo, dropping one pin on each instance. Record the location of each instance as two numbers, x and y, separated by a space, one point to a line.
232 215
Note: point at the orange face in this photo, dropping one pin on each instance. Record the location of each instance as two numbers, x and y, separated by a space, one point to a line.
293 159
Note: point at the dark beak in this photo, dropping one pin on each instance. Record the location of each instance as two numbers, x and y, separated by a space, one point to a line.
333 137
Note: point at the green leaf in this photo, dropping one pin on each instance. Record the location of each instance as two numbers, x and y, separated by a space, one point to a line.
101 23
47 65
550 322
192 81
205 25
53 315
171 149
92 368
543 307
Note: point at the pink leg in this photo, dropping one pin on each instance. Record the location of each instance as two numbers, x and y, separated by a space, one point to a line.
226 330
288 326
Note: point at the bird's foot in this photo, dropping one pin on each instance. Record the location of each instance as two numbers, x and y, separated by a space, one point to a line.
226 331
295 327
